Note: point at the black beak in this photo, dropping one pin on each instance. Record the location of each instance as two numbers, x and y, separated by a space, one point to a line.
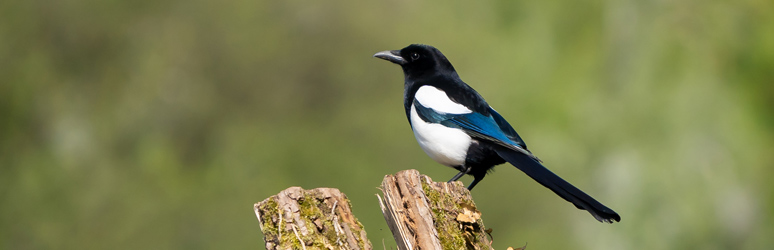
392 56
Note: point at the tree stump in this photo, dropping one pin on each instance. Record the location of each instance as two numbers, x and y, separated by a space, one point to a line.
423 214
320 218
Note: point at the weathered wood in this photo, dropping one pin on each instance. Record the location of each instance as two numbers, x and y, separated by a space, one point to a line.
423 214
310 219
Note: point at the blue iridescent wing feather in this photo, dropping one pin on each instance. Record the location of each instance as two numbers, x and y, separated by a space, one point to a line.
491 128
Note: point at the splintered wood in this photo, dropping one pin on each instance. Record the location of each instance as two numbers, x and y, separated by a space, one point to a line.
310 219
423 214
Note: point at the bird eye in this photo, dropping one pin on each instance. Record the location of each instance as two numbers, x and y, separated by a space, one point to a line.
414 56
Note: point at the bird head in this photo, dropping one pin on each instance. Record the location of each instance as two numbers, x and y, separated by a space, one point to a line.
417 60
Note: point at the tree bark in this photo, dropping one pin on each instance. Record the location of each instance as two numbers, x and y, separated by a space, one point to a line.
310 219
423 214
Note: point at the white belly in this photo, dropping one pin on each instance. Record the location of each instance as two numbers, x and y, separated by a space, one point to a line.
445 145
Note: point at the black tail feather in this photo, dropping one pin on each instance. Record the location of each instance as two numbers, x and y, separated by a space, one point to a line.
561 187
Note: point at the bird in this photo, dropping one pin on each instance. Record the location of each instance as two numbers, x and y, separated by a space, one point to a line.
456 127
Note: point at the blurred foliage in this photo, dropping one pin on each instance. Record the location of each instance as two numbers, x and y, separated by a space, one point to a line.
157 124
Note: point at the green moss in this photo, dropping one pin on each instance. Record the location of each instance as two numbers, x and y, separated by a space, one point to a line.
307 207
451 233
357 231
268 216
330 233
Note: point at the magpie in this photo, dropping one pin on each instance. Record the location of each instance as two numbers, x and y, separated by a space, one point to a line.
456 127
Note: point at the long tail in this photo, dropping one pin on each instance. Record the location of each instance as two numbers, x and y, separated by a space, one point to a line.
561 187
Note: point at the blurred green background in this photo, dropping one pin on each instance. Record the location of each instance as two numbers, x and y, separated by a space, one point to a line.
158 124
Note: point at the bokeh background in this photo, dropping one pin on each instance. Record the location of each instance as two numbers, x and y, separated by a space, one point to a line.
158 124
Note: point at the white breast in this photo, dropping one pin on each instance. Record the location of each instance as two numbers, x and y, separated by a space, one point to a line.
445 145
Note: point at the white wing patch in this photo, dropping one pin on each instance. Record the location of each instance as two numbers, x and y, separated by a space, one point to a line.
437 100
445 145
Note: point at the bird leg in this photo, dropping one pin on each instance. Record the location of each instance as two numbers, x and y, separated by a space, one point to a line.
476 179
463 170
